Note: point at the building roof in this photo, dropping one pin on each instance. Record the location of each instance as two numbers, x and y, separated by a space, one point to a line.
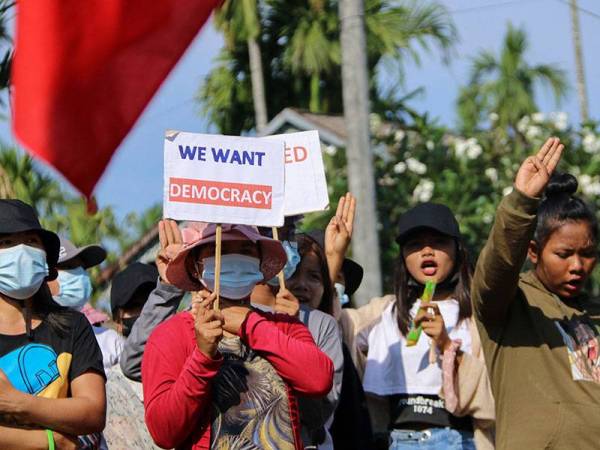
331 128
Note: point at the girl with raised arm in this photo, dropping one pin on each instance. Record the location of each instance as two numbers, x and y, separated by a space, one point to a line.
539 329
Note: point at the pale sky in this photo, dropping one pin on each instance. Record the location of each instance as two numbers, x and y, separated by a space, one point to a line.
133 180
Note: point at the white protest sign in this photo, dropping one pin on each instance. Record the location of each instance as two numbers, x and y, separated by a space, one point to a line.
305 183
223 179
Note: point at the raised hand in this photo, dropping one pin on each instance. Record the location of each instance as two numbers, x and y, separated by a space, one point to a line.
535 172
171 242
286 303
208 326
339 230
338 234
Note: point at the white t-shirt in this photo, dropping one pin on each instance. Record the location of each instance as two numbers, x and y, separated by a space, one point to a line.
394 368
111 344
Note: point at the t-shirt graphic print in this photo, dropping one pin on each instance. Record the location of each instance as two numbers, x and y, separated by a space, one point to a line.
581 340
36 369
251 407
46 364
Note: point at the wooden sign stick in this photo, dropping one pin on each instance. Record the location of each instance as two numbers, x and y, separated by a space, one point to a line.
280 274
219 231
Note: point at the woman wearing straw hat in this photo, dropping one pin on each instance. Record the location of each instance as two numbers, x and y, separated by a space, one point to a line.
228 377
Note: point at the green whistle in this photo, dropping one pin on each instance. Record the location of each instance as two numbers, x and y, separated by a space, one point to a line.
415 332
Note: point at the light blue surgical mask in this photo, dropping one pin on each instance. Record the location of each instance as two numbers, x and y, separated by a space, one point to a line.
293 259
341 293
22 271
239 275
75 288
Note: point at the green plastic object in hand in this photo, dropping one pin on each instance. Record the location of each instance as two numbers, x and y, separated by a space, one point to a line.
415 332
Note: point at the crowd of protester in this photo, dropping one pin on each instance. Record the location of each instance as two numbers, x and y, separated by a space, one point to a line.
506 358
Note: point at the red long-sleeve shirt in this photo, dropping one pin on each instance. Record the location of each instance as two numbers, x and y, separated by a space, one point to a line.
177 377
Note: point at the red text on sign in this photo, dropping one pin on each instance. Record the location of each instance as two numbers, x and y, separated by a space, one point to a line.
206 192
295 154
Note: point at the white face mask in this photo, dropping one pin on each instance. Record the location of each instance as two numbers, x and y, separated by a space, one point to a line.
341 293
75 288
23 269
239 275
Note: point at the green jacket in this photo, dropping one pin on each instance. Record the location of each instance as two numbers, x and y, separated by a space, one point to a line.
546 383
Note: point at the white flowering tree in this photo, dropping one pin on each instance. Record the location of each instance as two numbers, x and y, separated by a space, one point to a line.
425 162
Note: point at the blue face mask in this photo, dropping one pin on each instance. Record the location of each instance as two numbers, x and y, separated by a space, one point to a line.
293 259
22 271
239 275
75 288
341 293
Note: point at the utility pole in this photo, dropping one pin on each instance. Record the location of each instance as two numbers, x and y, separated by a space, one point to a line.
581 87
355 87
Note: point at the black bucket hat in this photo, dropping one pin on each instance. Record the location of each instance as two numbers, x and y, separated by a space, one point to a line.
428 215
353 272
125 283
90 255
18 217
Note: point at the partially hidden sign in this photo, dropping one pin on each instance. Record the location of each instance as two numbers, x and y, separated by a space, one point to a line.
305 183
223 179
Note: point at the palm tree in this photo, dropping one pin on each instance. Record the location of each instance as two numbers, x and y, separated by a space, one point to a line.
505 85
22 179
239 21
358 149
313 49
300 39
5 7
83 227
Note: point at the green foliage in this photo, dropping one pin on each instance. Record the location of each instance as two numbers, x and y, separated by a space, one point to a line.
504 85
238 20
6 8
66 214
420 161
300 48
27 183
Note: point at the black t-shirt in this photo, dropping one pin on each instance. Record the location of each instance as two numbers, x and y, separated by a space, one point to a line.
46 364
416 411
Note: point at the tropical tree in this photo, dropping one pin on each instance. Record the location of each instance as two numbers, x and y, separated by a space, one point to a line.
300 39
139 224
5 41
20 178
504 85
313 49
239 21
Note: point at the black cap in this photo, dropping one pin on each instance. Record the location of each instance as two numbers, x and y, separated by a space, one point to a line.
428 215
125 283
17 217
90 255
353 272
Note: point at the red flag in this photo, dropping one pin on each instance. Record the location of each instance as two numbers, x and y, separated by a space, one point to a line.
85 70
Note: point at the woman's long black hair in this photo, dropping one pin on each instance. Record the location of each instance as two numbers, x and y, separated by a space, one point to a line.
306 245
407 290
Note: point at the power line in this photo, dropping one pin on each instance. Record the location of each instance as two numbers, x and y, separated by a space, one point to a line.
491 6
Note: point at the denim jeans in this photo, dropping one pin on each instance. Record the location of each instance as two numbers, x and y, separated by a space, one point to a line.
433 439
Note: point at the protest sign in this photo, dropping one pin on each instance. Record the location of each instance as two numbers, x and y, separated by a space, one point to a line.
305 183
223 179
